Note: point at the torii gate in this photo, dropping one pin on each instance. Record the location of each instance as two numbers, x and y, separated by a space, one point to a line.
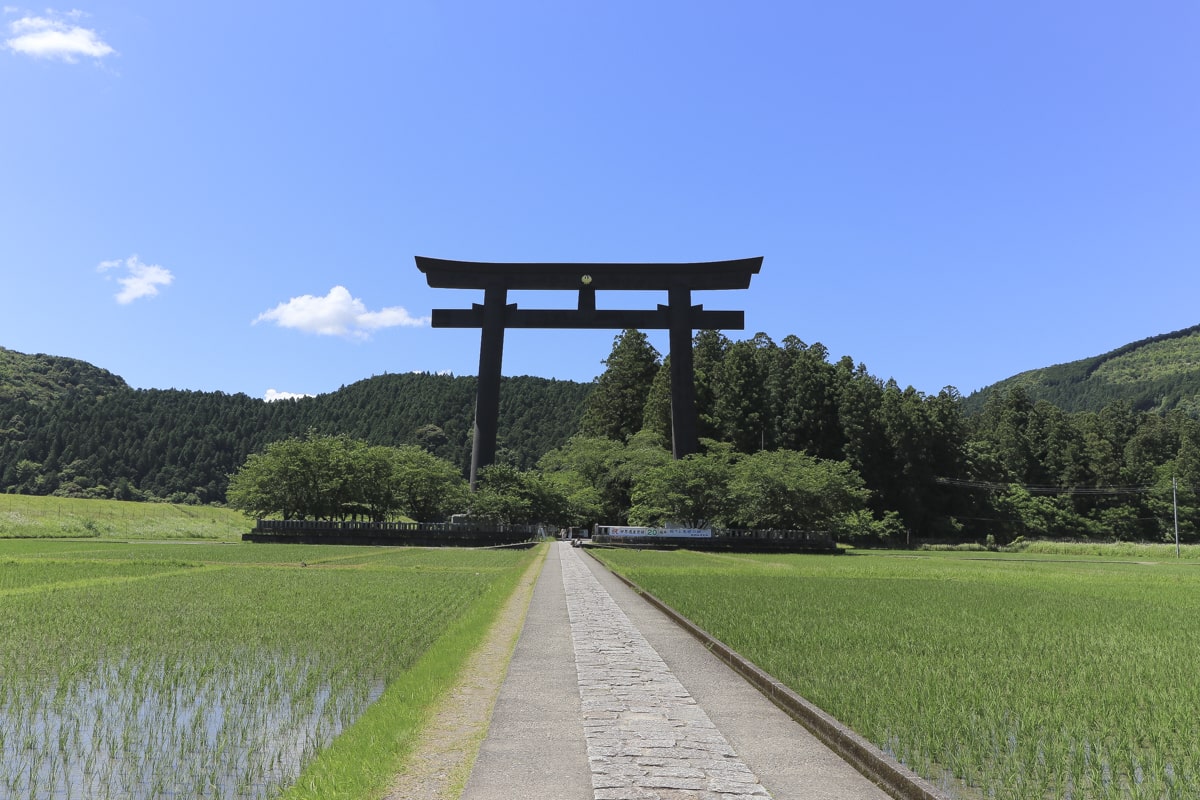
679 317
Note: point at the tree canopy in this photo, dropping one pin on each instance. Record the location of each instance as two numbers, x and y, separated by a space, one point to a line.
770 489
615 410
336 478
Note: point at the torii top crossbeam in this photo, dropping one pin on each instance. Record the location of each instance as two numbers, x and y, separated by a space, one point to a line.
699 276
679 316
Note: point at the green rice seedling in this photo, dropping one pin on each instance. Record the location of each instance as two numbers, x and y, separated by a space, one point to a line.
125 673
1021 678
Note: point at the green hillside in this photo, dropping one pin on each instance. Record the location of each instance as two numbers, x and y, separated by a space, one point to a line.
1126 466
72 429
40 379
32 517
1156 374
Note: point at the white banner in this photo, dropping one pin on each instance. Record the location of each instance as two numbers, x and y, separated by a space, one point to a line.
632 532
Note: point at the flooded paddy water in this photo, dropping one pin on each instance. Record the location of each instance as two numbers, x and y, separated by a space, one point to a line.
142 730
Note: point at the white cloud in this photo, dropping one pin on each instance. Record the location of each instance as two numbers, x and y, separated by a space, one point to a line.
51 36
271 396
337 314
140 280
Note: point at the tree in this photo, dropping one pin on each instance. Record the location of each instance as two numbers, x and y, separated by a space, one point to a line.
430 437
427 488
742 400
786 490
585 505
608 468
273 482
373 487
924 437
1002 430
806 400
615 410
656 415
335 477
506 495
586 470
1039 515
691 491
499 498
708 351
860 412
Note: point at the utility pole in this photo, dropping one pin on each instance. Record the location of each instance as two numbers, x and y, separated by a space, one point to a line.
1175 506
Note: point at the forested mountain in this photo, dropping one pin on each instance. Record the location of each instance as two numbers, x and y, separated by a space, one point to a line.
1019 467
1156 374
86 433
41 379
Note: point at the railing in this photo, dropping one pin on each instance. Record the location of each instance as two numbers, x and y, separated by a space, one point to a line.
824 538
480 533
339 526
729 538
425 534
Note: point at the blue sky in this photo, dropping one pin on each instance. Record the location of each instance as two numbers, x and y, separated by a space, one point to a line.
228 196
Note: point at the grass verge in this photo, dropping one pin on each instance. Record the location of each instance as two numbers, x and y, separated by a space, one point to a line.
35 517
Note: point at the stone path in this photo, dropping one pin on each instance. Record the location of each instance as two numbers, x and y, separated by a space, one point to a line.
646 736
607 699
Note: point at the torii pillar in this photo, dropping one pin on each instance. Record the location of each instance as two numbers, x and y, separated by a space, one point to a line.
679 317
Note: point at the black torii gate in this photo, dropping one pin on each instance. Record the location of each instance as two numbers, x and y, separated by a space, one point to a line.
679 317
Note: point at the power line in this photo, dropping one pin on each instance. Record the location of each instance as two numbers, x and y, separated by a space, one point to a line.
1034 489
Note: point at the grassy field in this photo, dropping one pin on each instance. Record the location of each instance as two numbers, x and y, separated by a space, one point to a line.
1049 676
228 670
26 516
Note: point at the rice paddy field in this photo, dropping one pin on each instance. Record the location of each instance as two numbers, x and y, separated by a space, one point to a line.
1009 677
197 670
